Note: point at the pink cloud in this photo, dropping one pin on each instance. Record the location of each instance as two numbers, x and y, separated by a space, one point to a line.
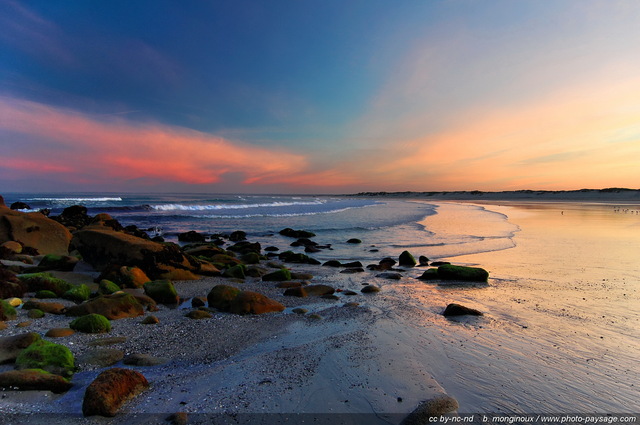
77 146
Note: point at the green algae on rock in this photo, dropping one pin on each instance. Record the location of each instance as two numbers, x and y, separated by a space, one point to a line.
42 354
91 324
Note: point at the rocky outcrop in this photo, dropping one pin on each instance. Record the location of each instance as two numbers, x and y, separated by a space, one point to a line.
103 247
34 380
34 231
110 390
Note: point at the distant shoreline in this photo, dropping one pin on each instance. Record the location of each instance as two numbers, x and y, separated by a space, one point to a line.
584 195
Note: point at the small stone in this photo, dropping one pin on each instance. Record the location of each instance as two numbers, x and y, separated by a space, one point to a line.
300 310
59 332
199 314
369 289
150 320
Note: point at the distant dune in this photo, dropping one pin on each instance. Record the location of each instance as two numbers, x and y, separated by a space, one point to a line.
586 195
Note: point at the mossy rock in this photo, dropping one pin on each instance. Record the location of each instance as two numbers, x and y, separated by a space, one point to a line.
35 314
277 276
45 293
7 312
38 281
78 293
106 287
114 306
471 274
58 262
221 296
237 272
430 274
199 314
295 257
42 354
407 259
250 258
91 324
162 291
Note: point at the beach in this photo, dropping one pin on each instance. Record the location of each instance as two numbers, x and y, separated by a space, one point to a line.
559 334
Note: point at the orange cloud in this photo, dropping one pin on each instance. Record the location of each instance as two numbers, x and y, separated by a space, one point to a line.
49 141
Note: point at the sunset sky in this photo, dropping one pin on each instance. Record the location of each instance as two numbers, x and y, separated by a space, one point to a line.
327 96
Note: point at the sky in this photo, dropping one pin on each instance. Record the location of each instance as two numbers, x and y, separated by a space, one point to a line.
306 96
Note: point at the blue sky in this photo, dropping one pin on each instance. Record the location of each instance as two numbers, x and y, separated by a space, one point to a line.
318 96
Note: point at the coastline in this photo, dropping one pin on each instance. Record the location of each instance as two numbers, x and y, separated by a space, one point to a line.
379 359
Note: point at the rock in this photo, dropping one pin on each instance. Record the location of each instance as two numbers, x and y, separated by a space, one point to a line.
293 257
249 302
34 380
439 263
390 275
35 314
125 277
162 291
332 263
235 272
103 357
14 302
289 284
101 247
300 310
139 359
301 276
352 270
310 290
277 276
296 233
178 418
471 274
191 236
39 281
13 247
144 300
430 274
460 310
24 324
91 324
199 314
20 206
220 297
74 217
58 262
238 235
406 259
150 320
272 249
10 285
198 302
45 294
114 306
370 289
431 409
352 265
110 390
250 258
59 332
54 358
350 293
315 317
7 311
77 294
354 241
107 341
423 261
256 271
11 346
3 326
106 287
34 231
47 307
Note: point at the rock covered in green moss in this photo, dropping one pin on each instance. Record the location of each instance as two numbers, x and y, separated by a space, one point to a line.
162 291
7 312
106 287
471 274
38 281
42 354
58 262
35 314
34 380
91 324
237 272
406 259
78 293
277 276
44 294
114 306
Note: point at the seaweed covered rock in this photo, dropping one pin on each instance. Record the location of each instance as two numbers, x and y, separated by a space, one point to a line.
220 296
34 380
54 358
295 257
91 324
7 311
277 276
114 306
35 231
236 272
39 281
470 274
110 390
106 287
78 293
406 259
58 262
162 291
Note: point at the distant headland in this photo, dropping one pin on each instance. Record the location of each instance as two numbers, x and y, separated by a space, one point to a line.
586 195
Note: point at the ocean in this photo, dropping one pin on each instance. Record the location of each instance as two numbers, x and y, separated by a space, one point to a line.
386 227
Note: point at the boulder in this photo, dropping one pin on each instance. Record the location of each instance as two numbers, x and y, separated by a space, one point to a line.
237 236
304 291
470 274
220 297
191 236
429 411
20 206
430 274
101 247
11 346
162 291
74 217
45 294
406 259
199 314
277 276
35 314
35 231
47 307
236 272
12 247
91 324
460 310
114 306
34 380
249 302
370 289
296 233
39 281
390 275
125 277
423 261
77 294
106 287
294 257
7 311
150 320
110 390
58 262
354 241
42 354
332 263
